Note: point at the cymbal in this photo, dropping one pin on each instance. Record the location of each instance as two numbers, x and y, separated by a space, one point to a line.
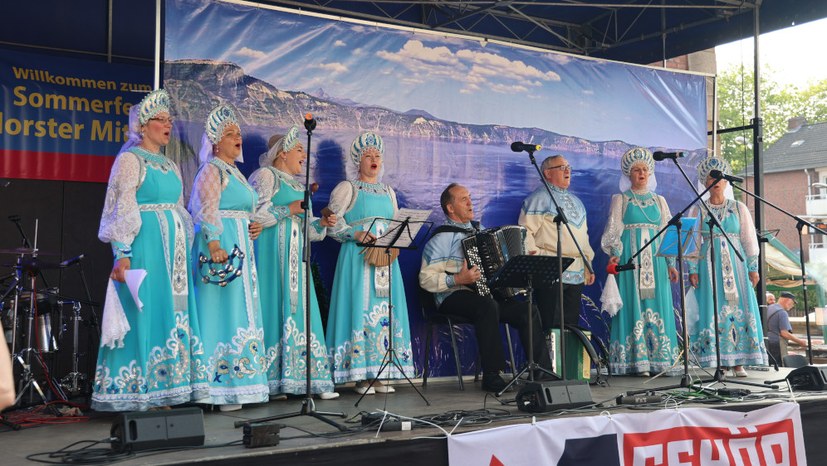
28 264
28 251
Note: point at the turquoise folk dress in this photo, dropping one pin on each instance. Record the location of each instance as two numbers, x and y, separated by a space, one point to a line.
739 322
281 271
156 360
357 327
222 204
643 333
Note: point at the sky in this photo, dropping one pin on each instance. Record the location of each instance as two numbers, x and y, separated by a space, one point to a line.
790 52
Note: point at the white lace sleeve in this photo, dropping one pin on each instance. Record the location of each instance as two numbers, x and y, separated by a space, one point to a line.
121 220
264 182
340 200
610 242
181 209
749 239
206 196
393 200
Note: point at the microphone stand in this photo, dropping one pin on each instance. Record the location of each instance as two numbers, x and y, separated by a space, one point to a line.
686 381
308 406
559 220
713 222
800 223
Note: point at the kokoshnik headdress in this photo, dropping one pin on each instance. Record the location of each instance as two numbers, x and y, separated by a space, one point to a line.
712 163
364 142
284 143
632 157
217 121
152 104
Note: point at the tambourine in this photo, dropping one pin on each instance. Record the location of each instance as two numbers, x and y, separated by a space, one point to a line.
226 272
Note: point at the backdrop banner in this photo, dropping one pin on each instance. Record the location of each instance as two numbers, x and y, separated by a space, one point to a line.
447 107
690 437
64 118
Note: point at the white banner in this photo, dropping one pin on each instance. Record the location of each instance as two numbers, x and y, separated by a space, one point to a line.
770 436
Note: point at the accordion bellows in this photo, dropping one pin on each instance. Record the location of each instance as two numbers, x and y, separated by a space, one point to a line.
489 250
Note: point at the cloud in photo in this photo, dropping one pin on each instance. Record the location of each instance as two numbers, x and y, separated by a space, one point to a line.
333 68
474 71
247 52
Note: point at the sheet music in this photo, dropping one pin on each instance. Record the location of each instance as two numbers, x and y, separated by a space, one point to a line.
416 218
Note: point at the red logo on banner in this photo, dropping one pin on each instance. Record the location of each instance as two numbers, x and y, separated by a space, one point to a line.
495 461
761 445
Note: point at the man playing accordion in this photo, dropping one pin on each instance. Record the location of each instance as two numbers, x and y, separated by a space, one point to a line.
446 274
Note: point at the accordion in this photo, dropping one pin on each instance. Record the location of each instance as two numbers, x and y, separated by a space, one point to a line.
489 250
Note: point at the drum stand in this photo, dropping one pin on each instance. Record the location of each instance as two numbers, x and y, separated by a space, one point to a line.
74 380
24 356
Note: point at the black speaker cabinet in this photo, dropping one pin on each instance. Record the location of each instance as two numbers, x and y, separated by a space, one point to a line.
541 397
809 378
136 431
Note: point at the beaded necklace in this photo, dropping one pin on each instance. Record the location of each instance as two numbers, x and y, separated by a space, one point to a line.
643 203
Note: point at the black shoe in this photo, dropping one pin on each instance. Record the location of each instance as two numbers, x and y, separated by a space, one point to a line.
493 383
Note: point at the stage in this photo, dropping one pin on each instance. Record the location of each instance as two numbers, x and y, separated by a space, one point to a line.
306 440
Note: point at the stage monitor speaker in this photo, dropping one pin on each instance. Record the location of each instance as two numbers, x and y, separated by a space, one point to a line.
541 397
136 431
809 378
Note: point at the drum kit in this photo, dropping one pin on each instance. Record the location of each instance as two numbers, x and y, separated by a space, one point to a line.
36 324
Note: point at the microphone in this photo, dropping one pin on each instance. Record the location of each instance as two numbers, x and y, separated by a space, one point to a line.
72 261
659 155
718 175
519 147
614 269
309 121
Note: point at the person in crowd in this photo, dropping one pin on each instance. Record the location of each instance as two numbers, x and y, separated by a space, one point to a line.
6 376
357 328
740 335
445 273
779 330
537 215
149 352
227 290
770 298
281 272
643 333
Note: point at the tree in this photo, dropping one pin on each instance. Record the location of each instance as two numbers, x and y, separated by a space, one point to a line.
779 103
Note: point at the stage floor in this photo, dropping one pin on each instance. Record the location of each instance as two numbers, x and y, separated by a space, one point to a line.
306 440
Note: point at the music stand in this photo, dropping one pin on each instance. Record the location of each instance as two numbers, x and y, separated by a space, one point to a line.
530 272
400 234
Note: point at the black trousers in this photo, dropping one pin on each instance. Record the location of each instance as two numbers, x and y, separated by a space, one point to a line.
486 314
548 302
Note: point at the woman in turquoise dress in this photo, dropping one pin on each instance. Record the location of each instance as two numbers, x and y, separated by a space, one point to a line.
741 336
643 337
357 327
149 356
281 272
222 205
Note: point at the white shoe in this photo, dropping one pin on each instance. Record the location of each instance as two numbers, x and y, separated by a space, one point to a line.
328 395
226 408
384 389
364 390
